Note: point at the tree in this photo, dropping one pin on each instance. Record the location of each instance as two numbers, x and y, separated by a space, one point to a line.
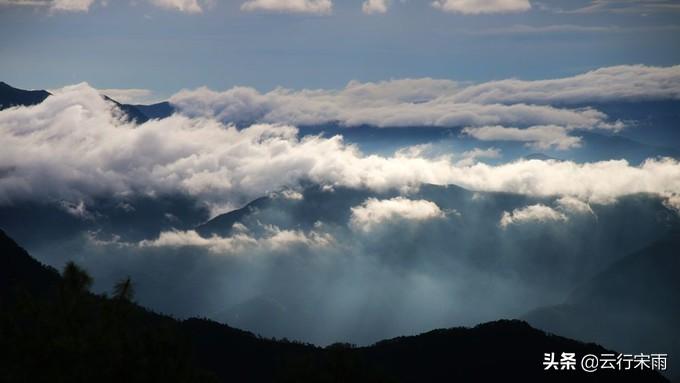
124 290
75 279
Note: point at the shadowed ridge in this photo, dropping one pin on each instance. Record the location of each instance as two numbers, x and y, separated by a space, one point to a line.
131 112
157 111
639 292
11 96
87 337
20 271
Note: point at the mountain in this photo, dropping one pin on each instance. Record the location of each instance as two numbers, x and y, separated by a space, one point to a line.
222 224
652 122
131 112
140 113
636 295
72 335
22 272
10 96
156 111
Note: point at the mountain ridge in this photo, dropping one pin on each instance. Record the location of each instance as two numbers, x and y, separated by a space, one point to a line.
209 351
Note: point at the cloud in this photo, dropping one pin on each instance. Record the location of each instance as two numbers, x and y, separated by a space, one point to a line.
470 157
364 104
186 6
72 5
76 209
532 213
539 137
522 29
617 83
627 6
374 212
54 5
672 201
75 146
288 194
370 7
431 102
319 7
573 205
475 7
274 239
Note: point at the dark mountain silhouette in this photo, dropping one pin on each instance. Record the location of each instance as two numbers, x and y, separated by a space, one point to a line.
222 224
156 111
651 122
10 96
636 296
131 112
58 334
20 271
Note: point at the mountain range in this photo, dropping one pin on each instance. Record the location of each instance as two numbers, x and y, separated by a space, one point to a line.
600 271
53 333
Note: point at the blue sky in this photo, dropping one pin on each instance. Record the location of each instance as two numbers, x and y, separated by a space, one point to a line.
139 44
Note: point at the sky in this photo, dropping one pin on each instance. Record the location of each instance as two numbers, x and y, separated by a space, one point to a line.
168 45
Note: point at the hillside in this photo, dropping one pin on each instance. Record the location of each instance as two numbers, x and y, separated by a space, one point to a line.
635 296
53 332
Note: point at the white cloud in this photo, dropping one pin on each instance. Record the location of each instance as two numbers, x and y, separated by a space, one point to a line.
522 29
374 212
319 7
573 205
288 194
187 6
370 7
292 195
532 213
371 104
73 146
625 82
628 6
672 201
470 157
274 239
430 102
539 137
475 7
412 151
72 5
78 210
54 5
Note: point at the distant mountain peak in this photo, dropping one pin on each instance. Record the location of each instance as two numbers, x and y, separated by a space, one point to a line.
11 96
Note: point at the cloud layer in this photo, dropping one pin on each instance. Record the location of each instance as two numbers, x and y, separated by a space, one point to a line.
75 145
275 239
532 213
375 6
538 137
374 212
475 7
319 7
431 102
187 6
54 5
